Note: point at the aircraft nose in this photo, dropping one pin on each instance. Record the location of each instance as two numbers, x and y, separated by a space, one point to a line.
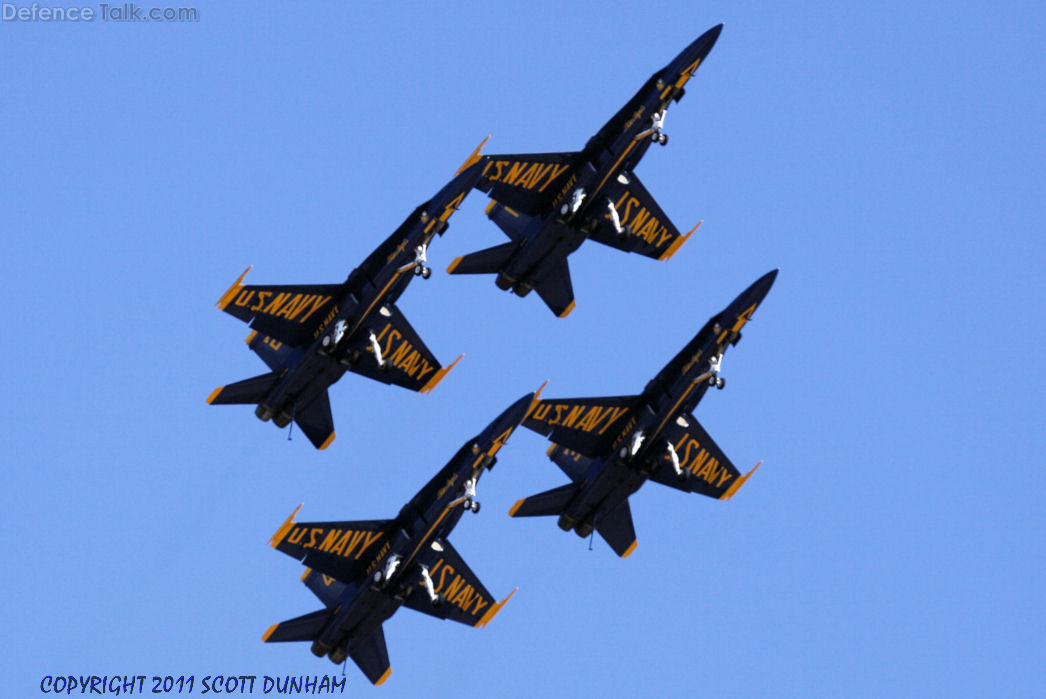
706 41
763 284
510 418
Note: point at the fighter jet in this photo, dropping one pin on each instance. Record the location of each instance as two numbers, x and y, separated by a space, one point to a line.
550 203
610 446
309 335
364 571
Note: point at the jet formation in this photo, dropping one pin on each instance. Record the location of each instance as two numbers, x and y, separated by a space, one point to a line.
548 204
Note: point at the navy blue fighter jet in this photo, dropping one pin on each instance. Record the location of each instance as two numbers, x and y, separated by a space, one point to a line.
364 571
610 446
310 335
550 203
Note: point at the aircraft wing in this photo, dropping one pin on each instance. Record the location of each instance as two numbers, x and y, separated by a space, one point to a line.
649 231
341 550
288 313
527 183
405 360
463 598
585 425
707 470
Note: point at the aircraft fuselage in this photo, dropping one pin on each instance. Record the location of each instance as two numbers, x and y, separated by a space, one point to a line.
324 361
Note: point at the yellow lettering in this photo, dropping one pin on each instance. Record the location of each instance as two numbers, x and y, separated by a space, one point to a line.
573 415
426 368
243 297
530 177
614 415
275 304
296 535
394 335
557 170
639 221
320 300
480 604
514 172
699 461
289 307
263 296
313 535
370 538
343 541
455 586
330 539
462 597
400 355
724 477
443 573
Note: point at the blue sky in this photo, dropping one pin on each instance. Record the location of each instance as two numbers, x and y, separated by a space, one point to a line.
888 159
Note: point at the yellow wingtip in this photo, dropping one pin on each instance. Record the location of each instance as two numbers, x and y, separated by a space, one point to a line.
493 611
251 336
268 632
438 376
678 243
306 574
214 394
473 158
515 508
567 311
536 399
454 264
732 490
630 549
284 528
385 676
551 448
327 442
228 296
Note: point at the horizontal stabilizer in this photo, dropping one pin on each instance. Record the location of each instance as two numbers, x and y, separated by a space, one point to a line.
327 588
512 222
371 655
617 529
556 290
488 261
316 422
303 628
550 502
274 353
569 461
252 390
